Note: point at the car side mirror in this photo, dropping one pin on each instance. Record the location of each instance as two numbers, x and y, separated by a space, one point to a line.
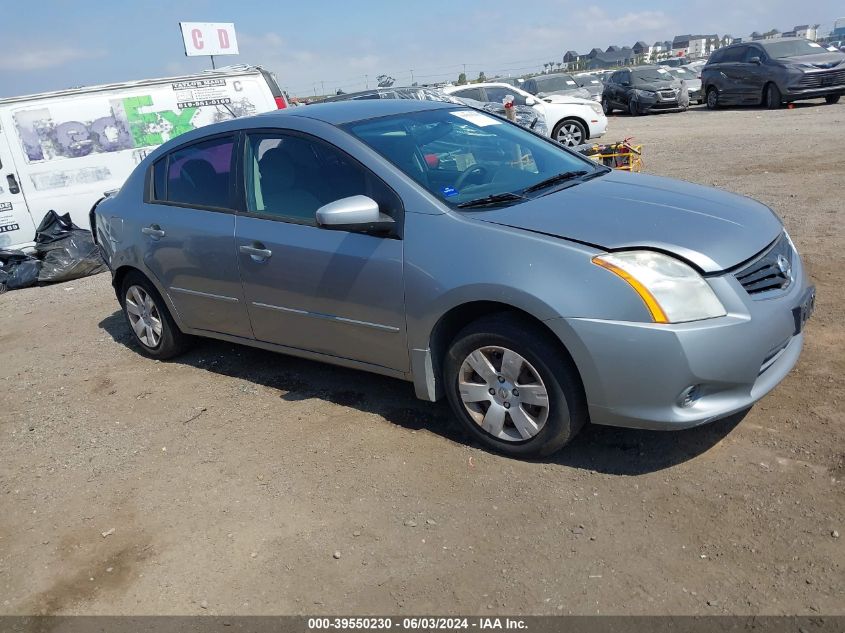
360 214
624 82
540 95
530 101
754 60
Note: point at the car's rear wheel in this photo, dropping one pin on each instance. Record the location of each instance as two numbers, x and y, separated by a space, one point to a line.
606 107
831 99
774 99
153 329
570 132
712 98
513 387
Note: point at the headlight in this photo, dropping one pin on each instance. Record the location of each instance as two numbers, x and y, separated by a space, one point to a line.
646 94
596 108
672 291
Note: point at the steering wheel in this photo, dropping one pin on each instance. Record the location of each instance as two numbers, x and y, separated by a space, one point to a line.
477 170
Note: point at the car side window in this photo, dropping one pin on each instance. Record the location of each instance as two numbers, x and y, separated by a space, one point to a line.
289 177
198 175
734 54
614 78
624 77
497 94
752 51
470 93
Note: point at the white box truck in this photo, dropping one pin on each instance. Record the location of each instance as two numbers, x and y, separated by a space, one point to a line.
62 150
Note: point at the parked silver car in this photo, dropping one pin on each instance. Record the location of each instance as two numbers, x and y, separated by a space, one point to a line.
434 243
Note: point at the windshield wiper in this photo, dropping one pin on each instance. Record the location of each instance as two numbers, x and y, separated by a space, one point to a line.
561 177
600 171
496 198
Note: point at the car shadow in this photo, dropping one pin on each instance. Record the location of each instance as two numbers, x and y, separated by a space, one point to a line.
601 449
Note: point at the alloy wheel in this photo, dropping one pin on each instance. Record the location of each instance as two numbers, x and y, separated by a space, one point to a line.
144 316
570 134
503 394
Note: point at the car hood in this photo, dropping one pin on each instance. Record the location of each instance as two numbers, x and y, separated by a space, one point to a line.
567 99
827 59
654 86
710 228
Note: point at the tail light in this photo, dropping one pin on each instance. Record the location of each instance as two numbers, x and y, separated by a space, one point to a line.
281 104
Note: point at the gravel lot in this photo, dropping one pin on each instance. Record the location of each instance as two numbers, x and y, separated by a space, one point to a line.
228 480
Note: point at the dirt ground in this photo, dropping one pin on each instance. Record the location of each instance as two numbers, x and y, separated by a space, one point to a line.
225 481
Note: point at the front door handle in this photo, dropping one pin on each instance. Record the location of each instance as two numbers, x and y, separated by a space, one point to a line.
257 251
154 231
13 183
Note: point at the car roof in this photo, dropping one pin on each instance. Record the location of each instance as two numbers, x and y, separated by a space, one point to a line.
341 112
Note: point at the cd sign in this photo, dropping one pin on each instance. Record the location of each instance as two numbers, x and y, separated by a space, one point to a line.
209 38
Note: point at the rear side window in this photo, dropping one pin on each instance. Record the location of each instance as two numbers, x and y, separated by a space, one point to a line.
716 57
470 93
200 175
160 179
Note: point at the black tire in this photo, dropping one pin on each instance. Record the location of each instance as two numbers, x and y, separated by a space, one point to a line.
579 130
773 99
633 108
831 99
172 341
567 404
606 107
712 99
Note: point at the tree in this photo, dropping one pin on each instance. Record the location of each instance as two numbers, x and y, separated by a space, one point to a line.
385 81
482 77
462 79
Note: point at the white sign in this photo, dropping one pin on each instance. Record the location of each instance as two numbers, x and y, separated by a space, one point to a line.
209 38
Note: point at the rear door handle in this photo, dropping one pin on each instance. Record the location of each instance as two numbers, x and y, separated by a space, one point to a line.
257 251
154 231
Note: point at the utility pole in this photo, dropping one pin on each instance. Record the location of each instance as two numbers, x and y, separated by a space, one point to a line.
323 87
367 81
412 76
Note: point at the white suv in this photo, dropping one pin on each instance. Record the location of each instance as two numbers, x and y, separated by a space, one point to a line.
571 120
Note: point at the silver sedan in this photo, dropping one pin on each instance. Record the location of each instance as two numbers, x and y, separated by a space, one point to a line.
444 246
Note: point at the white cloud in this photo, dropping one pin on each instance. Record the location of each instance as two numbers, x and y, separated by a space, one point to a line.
40 57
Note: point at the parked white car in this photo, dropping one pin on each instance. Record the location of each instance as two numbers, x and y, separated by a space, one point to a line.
570 120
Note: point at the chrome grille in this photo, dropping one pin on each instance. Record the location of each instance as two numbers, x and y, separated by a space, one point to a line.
772 270
822 79
667 94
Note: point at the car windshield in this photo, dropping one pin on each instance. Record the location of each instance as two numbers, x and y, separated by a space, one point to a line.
683 73
649 75
462 155
793 48
587 81
557 82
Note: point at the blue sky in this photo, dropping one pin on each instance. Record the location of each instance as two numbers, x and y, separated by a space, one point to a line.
322 45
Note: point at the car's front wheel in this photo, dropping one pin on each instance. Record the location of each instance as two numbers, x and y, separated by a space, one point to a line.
606 107
774 99
513 387
153 329
634 108
831 99
570 132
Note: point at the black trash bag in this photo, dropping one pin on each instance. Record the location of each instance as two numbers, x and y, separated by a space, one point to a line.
54 227
17 270
66 251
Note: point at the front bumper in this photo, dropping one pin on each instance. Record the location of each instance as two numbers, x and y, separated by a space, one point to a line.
634 374
795 94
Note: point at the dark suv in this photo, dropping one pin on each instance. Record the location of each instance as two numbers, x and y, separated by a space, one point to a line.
772 73
642 90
